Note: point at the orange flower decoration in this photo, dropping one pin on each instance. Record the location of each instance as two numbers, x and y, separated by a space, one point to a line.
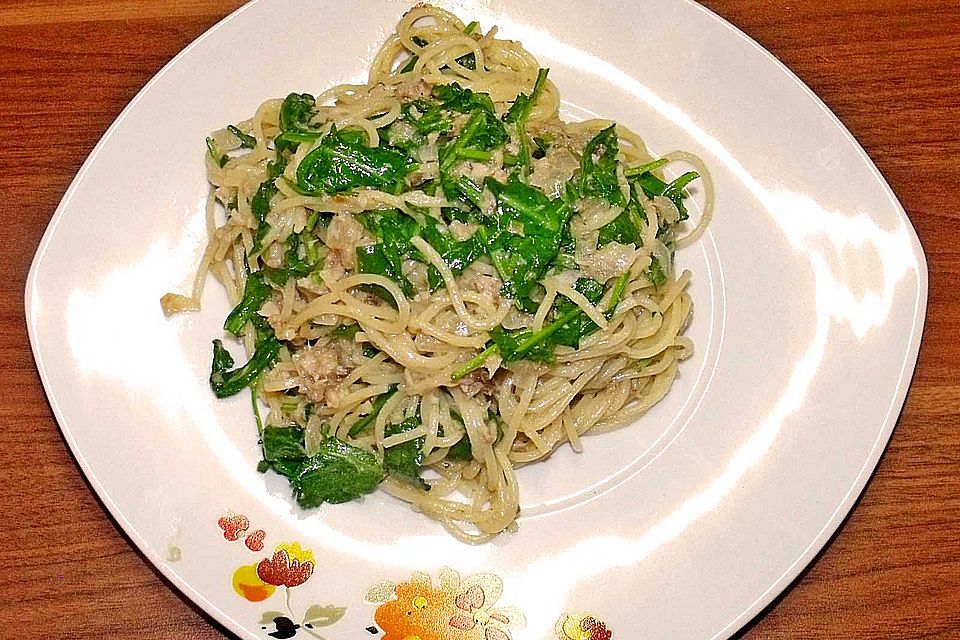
248 584
284 571
420 611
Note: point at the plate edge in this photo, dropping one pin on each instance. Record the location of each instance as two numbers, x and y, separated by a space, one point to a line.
206 606
782 583
907 370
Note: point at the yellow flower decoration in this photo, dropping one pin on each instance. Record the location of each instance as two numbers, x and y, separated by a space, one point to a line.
296 552
571 629
581 626
248 584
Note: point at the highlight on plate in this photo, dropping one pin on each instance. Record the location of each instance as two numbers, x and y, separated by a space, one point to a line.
437 280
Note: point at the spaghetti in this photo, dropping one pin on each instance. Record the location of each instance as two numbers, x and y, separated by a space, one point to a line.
438 280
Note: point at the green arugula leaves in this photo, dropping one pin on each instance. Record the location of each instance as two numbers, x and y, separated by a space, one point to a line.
519 111
297 265
656 273
625 228
457 98
255 292
219 158
366 421
347 331
404 460
569 325
226 382
456 254
517 116
338 472
260 203
283 443
246 140
296 112
654 186
598 168
484 162
525 238
342 163
394 229
426 117
482 133
462 450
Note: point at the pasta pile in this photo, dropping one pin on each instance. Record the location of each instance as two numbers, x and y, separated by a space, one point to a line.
437 280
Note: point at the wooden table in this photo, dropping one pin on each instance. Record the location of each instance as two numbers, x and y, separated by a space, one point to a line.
890 69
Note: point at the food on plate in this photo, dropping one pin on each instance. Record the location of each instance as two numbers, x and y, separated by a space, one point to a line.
437 280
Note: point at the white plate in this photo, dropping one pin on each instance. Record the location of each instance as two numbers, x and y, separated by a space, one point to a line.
809 294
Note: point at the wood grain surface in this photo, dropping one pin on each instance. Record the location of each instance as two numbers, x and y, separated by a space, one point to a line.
890 69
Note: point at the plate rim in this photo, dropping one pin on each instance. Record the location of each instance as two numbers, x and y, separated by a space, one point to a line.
780 585
207 606
907 369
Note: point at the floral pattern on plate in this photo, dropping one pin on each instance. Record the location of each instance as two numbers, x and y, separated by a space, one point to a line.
288 567
455 609
581 626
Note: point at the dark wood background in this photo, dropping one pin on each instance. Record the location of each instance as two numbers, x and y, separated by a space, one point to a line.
889 68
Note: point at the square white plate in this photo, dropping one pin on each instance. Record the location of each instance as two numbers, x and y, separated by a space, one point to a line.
809 290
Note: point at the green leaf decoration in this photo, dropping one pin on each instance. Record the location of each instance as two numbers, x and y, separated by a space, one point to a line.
323 616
